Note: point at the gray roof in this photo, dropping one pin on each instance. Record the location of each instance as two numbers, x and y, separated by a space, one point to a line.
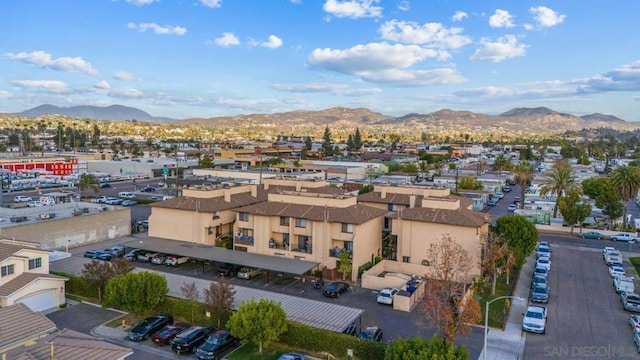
223 255
23 280
19 324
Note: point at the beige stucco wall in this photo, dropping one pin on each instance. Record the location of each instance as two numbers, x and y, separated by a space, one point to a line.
57 233
414 239
315 199
412 190
39 286
371 280
20 261
189 225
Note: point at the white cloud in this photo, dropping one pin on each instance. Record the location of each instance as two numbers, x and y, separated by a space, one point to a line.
353 8
44 60
141 2
309 88
273 43
227 39
400 77
157 29
4 94
502 48
404 5
370 57
211 3
500 19
102 85
126 93
52 86
122 75
459 16
625 78
433 35
546 17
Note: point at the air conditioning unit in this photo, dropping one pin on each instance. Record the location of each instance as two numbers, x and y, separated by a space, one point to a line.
425 262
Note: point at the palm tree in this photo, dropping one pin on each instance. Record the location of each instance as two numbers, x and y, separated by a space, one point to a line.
626 181
558 182
88 182
524 174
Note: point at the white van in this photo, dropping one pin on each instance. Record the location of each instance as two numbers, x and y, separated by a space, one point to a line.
126 194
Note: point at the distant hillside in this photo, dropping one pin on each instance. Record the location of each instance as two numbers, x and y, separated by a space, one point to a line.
113 112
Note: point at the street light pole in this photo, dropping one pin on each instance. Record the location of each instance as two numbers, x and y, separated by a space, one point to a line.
486 320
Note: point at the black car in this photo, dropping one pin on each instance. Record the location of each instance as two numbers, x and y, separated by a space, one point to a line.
148 326
335 289
98 254
229 270
216 344
148 189
105 185
372 333
190 338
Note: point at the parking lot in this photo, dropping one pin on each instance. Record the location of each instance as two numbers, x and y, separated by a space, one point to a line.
585 316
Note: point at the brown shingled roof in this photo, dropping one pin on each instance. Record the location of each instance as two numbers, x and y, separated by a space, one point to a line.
211 204
7 250
391 198
72 345
18 323
354 214
23 280
460 217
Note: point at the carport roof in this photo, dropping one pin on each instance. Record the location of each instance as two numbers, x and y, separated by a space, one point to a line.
223 255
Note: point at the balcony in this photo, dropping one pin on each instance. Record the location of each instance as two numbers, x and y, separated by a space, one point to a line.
302 248
337 251
243 240
274 244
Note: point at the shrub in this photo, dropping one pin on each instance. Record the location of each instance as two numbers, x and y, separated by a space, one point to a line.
79 286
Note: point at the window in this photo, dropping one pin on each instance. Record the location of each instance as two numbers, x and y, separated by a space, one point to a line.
244 216
392 207
406 259
301 223
284 220
347 228
35 263
6 270
348 245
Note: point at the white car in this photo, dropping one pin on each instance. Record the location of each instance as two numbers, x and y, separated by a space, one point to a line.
512 208
248 273
624 283
613 259
499 195
625 237
22 198
385 296
615 270
35 203
544 262
634 322
535 319
607 250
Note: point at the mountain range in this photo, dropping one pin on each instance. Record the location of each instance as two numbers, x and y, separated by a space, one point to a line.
521 120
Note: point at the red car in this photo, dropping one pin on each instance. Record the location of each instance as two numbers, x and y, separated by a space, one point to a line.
167 333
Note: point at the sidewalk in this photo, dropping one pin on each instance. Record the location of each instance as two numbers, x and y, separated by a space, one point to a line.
508 344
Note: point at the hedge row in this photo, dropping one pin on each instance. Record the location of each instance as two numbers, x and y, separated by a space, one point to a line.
317 340
79 286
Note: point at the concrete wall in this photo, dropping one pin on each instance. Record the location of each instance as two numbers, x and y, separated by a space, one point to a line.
57 233
372 280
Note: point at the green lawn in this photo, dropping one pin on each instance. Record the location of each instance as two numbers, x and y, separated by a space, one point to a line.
249 351
635 261
497 309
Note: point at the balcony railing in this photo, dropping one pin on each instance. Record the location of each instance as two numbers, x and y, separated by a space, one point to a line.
336 252
243 240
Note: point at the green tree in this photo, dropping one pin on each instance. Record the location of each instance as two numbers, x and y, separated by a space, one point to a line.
346 265
420 349
469 183
205 162
519 233
410 168
260 322
501 163
98 273
424 167
366 188
218 299
308 143
191 292
327 139
357 140
524 175
496 258
350 145
560 180
573 209
136 292
626 181
595 186
610 204
88 182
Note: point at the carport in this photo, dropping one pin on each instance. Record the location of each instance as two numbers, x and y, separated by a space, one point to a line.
223 255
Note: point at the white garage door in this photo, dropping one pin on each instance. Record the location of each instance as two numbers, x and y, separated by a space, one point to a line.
40 302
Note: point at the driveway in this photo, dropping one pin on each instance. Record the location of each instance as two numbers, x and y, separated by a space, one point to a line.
81 317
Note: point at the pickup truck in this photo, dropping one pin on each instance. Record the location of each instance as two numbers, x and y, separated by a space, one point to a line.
623 283
176 260
625 237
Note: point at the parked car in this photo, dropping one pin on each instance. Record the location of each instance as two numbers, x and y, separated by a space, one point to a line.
116 251
161 183
539 281
35 203
492 202
541 271
512 208
335 289
292 356
129 203
623 283
499 195
114 201
630 301
133 254
385 296
506 188
104 185
173 260
22 198
516 199
159 259
636 340
625 237
352 330
167 333
592 235
147 256
535 319
248 273
372 333
544 261
98 254
607 250
189 339
615 270
543 250
145 328
613 259
540 294
216 344
229 270
634 322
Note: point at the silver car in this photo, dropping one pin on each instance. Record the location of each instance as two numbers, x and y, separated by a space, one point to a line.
630 301
535 319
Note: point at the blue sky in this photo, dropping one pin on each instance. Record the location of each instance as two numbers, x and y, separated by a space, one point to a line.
207 58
